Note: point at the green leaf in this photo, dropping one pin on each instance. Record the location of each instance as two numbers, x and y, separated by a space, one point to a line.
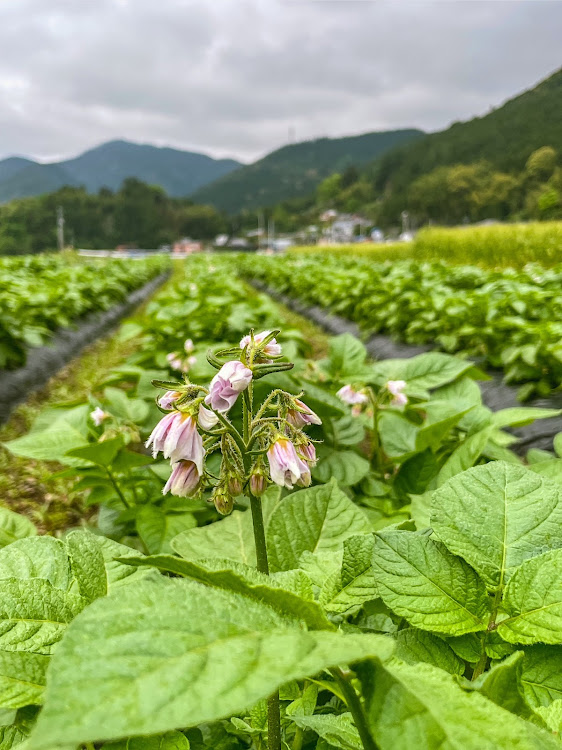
413 646
346 430
423 372
118 574
37 557
167 741
353 585
465 455
415 473
441 417
502 685
541 675
420 706
338 730
517 416
21 723
552 716
243 580
14 526
148 660
88 565
533 601
421 580
317 519
22 678
231 538
322 402
51 445
125 408
157 528
347 357
552 469
398 435
497 516
34 614
101 453
347 467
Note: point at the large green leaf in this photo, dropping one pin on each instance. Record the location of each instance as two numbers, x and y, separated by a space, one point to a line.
22 678
346 467
398 434
274 589
413 646
14 526
157 528
34 614
354 584
338 730
88 565
167 741
465 455
175 654
347 357
419 706
533 601
317 519
423 372
440 418
37 557
50 445
119 574
231 538
422 581
541 675
502 685
517 416
496 516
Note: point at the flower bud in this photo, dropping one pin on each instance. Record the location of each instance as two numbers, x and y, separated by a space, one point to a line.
188 346
285 466
271 349
235 485
302 415
224 502
168 399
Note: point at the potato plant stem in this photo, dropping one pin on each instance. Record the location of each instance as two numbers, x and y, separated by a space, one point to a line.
273 709
354 705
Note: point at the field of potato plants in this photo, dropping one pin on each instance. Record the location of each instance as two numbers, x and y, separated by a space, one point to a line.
285 545
505 319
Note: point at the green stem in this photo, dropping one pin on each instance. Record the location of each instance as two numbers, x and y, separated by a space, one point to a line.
117 488
298 739
354 704
273 709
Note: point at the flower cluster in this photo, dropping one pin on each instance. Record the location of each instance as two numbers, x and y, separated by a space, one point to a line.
180 362
358 398
271 445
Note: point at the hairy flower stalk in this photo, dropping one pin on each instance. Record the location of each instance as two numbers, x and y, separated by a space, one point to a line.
267 445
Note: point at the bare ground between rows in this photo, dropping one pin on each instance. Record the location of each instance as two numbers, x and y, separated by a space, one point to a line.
45 361
495 393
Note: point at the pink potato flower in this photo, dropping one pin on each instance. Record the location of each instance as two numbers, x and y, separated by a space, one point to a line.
285 466
349 395
300 419
184 479
177 438
272 348
206 418
396 388
233 378
98 415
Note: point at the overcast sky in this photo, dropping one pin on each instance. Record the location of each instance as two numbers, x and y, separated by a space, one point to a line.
232 77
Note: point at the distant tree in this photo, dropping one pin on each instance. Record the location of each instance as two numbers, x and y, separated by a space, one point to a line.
328 189
541 163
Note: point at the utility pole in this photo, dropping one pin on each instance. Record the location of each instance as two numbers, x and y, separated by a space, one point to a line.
60 227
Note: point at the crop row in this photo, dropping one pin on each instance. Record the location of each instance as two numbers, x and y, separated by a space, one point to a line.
155 624
506 319
39 294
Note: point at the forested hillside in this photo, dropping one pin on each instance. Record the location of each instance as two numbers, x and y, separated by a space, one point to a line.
296 170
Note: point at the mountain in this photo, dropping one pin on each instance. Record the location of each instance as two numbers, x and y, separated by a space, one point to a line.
505 137
178 172
295 170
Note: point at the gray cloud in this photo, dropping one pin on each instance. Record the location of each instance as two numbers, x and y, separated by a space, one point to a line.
230 77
